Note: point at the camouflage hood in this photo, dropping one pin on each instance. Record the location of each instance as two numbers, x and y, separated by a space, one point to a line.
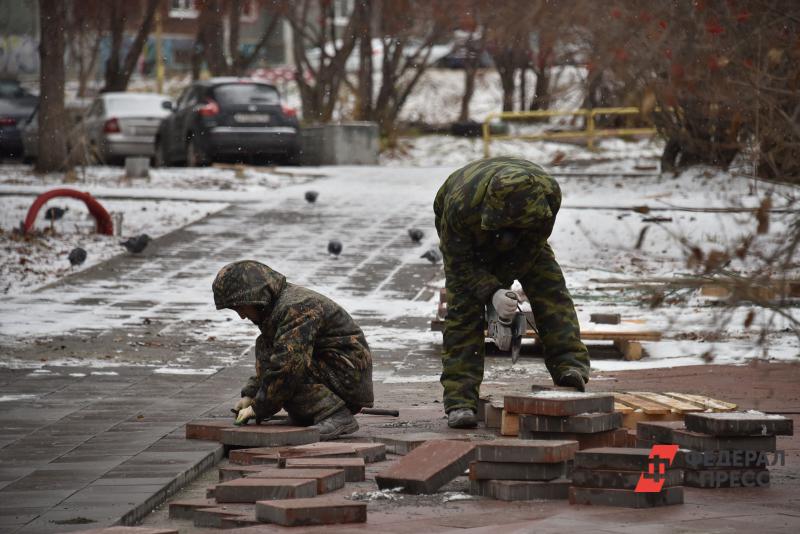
247 282
520 195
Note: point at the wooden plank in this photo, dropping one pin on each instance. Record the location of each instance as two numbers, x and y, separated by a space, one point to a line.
622 408
706 403
676 405
645 405
630 350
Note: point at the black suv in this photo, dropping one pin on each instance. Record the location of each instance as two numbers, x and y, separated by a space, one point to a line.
228 118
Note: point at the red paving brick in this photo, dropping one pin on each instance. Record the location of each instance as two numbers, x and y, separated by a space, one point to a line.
257 489
559 403
232 473
354 468
255 455
589 423
210 430
185 509
739 424
212 517
402 444
428 467
319 511
268 436
625 498
526 451
610 438
327 479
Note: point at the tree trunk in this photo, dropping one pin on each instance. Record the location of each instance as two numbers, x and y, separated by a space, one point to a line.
469 89
118 74
52 123
523 88
364 111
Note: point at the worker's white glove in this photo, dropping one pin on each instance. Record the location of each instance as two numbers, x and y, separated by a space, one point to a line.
504 304
245 414
243 403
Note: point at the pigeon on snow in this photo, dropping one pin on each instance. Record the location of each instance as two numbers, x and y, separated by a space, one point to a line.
54 213
432 255
136 244
416 234
311 196
335 247
77 256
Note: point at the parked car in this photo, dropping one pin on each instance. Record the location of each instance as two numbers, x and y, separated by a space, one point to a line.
119 125
75 110
16 105
228 118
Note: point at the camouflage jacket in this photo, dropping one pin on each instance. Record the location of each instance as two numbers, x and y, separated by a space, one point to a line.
481 199
300 325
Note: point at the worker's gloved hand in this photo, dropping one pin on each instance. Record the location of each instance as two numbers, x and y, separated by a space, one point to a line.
245 414
243 403
504 304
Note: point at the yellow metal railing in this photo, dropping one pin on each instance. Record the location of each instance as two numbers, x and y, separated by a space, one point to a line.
590 132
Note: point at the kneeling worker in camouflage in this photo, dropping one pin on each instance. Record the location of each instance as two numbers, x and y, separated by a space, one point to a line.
494 217
311 357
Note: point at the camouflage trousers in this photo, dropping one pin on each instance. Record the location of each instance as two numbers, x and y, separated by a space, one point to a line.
328 383
554 313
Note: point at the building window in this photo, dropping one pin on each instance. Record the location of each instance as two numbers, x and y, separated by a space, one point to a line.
249 11
182 9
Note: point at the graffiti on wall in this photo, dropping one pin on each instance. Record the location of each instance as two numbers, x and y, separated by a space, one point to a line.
19 54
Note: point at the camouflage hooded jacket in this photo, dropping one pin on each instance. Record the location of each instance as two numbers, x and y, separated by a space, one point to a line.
482 198
300 326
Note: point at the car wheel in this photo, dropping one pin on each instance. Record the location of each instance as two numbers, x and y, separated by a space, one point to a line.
195 157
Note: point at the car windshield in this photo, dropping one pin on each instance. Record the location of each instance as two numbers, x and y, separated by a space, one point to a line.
246 93
136 105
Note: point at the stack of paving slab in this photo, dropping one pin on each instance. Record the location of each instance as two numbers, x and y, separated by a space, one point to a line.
608 476
588 418
521 470
283 476
728 449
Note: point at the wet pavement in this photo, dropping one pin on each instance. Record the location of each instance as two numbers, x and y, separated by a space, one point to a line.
103 369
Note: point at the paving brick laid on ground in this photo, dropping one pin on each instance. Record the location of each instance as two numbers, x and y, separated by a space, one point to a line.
354 468
402 444
327 479
213 517
185 509
268 436
526 451
559 403
370 452
257 489
625 498
522 490
739 424
232 473
320 511
428 467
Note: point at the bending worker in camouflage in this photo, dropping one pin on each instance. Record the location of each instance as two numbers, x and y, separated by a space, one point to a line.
493 218
311 357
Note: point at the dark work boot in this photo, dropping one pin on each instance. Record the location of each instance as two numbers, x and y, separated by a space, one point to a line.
572 379
462 418
341 422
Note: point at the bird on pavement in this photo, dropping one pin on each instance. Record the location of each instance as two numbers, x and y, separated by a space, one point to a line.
335 247
54 213
416 234
432 255
311 196
136 244
77 256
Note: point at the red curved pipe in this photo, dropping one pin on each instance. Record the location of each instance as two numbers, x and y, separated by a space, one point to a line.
101 216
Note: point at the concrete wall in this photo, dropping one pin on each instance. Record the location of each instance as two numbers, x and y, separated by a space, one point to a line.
351 143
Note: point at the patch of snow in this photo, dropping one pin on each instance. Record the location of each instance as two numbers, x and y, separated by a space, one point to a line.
11 398
185 371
